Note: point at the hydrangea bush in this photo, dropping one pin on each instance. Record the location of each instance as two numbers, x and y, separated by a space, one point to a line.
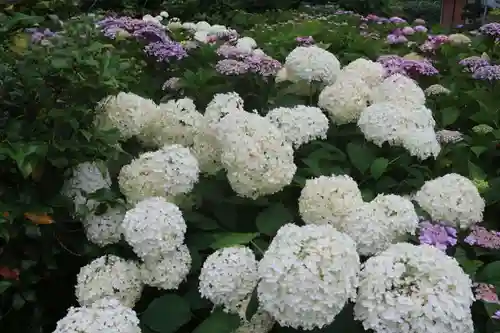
328 174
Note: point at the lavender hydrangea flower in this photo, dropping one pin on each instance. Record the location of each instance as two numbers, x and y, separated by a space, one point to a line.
395 64
482 237
471 64
397 20
408 31
230 52
434 42
396 39
164 51
496 315
231 67
305 40
38 35
490 29
438 235
487 73
420 28
263 65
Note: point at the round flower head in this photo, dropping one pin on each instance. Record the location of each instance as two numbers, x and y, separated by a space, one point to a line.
105 315
399 89
174 122
221 105
127 112
436 89
369 71
447 136
408 125
312 63
300 124
414 289
104 229
86 178
329 200
345 99
168 270
307 275
109 276
385 220
256 155
459 39
452 198
154 227
228 276
168 172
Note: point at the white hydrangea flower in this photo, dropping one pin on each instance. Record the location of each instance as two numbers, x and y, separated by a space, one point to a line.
345 99
452 198
282 75
174 122
312 63
104 229
414 289
261 321
154 227
228 276
246 44
459 39
255 154
408 125
167 271
169 172
205 145
329 200
189 26
109 276
203 25
127 112
436 89
300 124
307 275
385 220
369 71
446 136
398 89
87 178
105 315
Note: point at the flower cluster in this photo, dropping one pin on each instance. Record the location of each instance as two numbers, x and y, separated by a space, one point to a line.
395 64
438 234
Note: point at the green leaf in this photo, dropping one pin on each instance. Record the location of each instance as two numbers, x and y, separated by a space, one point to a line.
469 266
490 274
219 322
228 239
200 221
272 218
449 116
475 172
361 157
478 150
166 314
379 166
4 285
252 306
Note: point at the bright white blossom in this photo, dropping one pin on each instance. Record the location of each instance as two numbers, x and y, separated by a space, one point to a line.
375 225
87 178
167 271
154 227
312 63
459 39
398 89
105 315
452 198
228 276
414 289
408 125
109 276
246 44
126 112
345 99
369 71
307 275
104 229
436 89
329 200
174 122
255 154
168 172
300 124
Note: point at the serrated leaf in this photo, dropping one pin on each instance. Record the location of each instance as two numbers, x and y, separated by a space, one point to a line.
219 322
166 314
200 221
272 218
478 150
490 274
378 167
228 239
469 266
360 156
449 116
475 172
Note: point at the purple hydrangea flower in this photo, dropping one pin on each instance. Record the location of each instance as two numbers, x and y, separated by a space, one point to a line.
395 64
438 235
482 237
490 29
231 67
496 315
263 65
305 40
471 64
487 73
397 20
163 51
408 31
38 35
230 52
420 28
433 43
395 39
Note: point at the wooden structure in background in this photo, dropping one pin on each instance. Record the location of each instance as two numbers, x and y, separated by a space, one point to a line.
451 12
